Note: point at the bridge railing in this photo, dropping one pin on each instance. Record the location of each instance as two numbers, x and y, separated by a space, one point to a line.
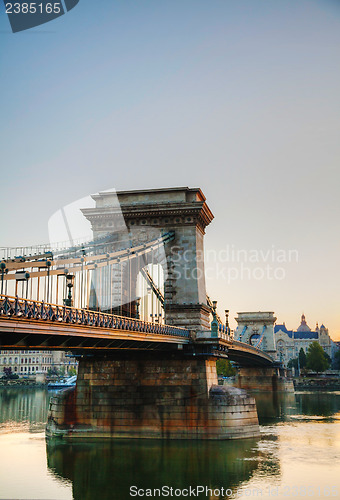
255 350
33 309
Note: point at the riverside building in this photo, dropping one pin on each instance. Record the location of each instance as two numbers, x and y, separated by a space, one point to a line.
289 342
24 363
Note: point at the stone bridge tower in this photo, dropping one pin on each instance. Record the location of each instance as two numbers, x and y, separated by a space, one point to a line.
147 214
256 328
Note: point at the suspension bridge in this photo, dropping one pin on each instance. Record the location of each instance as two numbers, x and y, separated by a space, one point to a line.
133 304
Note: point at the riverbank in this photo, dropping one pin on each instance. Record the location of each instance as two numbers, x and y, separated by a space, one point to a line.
22 383
317 383
27 382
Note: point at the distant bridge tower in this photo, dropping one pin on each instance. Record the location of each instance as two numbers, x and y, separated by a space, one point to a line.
257 329
147 215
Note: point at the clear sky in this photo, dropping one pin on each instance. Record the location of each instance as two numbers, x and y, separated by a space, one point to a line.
238 97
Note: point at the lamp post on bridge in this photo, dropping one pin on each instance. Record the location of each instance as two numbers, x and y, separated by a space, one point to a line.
48 264
3 267
137 308
227 328
69 283
214 323
27 277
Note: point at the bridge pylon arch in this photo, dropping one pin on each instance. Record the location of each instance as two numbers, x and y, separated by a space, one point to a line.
257 329
150 213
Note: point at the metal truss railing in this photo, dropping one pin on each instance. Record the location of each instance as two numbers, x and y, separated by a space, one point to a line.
32 309
254 349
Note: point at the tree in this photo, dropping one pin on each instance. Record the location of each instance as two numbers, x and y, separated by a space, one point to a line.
316 359
224 368
336 362
72 371
8 374
329 359
302 359
293 363
52 371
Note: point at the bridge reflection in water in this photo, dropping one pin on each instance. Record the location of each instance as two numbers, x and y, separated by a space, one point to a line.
99 469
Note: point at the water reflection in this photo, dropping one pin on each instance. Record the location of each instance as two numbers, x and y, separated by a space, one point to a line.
271 407
98 469
286 406
324 404
23 409
299 444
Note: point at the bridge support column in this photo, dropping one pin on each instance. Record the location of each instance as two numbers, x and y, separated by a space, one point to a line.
263 379
157 397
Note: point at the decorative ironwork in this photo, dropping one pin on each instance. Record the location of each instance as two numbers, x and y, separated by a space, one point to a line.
32 309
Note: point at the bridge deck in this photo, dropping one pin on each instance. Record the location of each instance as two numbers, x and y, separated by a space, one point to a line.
27 324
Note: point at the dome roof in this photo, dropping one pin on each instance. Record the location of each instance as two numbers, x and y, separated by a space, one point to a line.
303 326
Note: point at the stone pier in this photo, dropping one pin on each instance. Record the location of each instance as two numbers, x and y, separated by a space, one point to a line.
157 396
262 379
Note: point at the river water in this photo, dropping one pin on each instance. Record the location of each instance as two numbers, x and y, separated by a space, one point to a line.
297 456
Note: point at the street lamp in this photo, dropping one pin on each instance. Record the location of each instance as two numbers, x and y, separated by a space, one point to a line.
69 283
27 277
214 323
226 318
3 267
137 308
48 264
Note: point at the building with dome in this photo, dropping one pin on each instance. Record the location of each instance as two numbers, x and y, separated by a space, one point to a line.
260 330
289 342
